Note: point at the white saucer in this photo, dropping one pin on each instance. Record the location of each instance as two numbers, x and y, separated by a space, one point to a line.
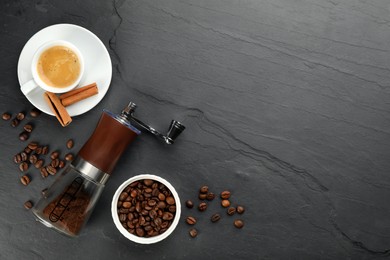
97 64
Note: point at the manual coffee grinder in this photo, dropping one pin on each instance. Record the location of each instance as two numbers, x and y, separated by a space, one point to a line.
68 203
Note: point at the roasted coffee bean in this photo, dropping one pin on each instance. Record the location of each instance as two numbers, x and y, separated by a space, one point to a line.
61 164
189 204
240 209
167 216
39 163
172 209
123 210
69 157
33 158
238 223
38 150
210 196
122 217
225 194
202 196
161 196
35 112
148 182
204 189
152 203
70 143
51 170
54 155
28 128
33 145
28 205
27 150
231 211
23 136
23 166
44 172
23 155
55 162
140 232
45 150
25 180
161 205
126 204
123 196
20 116
15 122
17 158
133 193
202 206
170 200
225 203
191 220
193 232
216 217
6 116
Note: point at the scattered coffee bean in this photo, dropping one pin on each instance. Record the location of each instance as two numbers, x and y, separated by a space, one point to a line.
23 155
204 189
225 194
25 180
202 196
61 164
33 145
23 166
33 158
193 232
191 221
238 223
6 116
27 150
189 203
15 122
51 170
202 206
38 164
215 217
20 116
28 128
38 150
45 150
225 203
35 112
55 162
210 196
23 136
231 211
18 158
69 144
69 157
28 205
240 209
44 172
54 155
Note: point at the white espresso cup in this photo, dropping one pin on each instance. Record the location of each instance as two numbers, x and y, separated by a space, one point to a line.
37 82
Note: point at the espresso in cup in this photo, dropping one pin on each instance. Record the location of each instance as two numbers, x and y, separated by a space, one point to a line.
59 66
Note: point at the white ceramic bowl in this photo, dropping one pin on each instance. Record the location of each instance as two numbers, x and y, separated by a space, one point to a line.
134 238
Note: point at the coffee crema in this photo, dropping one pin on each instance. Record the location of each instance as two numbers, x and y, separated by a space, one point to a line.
59 67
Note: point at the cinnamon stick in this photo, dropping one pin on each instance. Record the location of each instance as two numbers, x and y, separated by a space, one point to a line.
58 109
78 94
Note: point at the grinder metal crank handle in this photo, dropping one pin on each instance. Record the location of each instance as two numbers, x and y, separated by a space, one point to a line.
174 130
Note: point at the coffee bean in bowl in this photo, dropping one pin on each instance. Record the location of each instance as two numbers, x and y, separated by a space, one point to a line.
146 209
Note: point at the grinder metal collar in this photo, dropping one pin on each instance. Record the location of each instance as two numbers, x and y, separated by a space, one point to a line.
174 130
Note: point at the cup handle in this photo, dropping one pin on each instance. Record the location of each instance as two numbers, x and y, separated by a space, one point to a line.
28 87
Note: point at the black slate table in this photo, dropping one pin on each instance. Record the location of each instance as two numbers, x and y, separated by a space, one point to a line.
286 103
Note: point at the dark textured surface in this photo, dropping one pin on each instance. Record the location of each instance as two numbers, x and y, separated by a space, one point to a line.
286 104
